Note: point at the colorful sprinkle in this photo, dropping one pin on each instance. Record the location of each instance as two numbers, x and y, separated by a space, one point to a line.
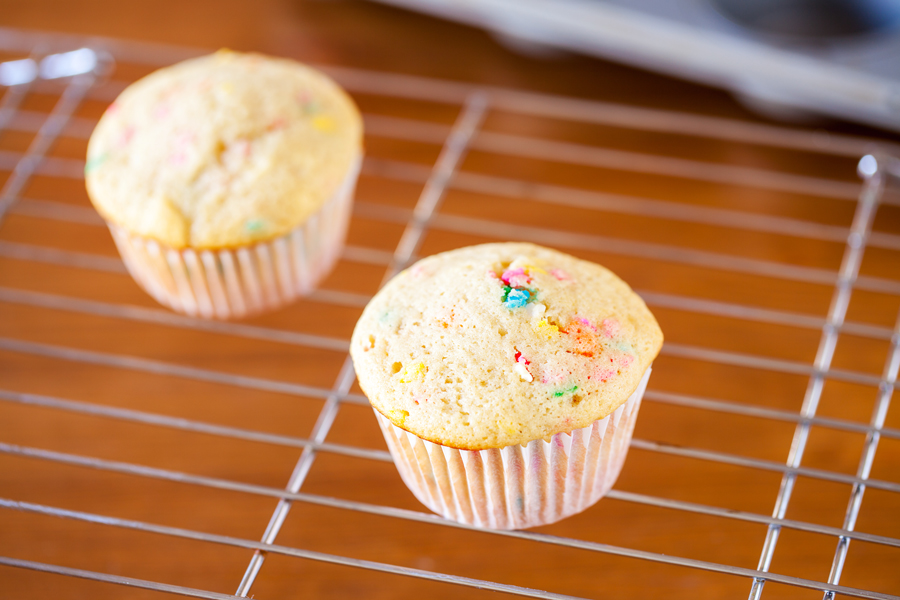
560 275
555 371
126 136
543 327
515 277
183 142
254 225
611 327
516 298
324 123
279 123
561 393
417 271
586 323
416 373
602 374
398 415
517 281
309 105
162 110
95 162
521 367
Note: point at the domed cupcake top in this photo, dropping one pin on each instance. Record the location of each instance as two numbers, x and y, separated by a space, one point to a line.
222 150
501 344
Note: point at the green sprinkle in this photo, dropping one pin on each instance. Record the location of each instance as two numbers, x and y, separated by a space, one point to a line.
312 107
254 225
95 162
564 392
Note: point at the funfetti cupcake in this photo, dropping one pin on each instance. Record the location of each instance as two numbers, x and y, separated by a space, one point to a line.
506 379
227 181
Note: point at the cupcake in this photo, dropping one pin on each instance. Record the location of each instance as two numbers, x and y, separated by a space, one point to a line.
227 181
506 379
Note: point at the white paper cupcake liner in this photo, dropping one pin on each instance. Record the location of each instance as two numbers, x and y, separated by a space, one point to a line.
238 282
517 486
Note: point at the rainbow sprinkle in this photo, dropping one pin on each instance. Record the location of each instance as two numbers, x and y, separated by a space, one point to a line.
521 367
547 329
398 415
95 162
515 277
560 275
408 375
324 123
561 393
254 225
515 298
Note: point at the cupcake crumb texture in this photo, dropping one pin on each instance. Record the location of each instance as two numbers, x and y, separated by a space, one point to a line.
502 344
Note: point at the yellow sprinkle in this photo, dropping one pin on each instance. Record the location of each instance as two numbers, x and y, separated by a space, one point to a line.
408 375
324 123
226 87
398 416
546 329
532 270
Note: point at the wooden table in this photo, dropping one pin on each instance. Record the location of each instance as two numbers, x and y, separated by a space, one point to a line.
147 448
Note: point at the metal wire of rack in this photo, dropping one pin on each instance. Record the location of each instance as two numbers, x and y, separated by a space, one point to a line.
458 136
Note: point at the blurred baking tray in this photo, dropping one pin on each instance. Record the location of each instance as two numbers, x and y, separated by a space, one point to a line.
145 453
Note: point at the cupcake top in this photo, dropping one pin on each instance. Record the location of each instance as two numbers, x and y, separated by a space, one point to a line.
501 344
221 151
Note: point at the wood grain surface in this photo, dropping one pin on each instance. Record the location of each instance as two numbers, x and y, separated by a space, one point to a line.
736 245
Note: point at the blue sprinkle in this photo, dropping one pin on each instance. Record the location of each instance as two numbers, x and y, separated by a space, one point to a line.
517 298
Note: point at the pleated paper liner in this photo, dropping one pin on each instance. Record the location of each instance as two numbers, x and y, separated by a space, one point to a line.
239 282
517 486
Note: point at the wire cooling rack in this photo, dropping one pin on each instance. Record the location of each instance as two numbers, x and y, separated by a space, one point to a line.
142 452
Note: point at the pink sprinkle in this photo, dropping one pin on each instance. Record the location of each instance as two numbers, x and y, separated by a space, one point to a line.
184 139
515 277
127 134
162 110
182 142
554 373
602 374
611 327
560 274
625 360
279 123
585 322
112 108
491 274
